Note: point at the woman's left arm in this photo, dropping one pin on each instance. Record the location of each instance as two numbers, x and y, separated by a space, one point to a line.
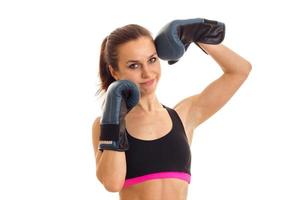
198 108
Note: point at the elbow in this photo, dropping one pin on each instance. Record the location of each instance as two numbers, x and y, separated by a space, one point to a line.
245 71
113 187
248 68
111 184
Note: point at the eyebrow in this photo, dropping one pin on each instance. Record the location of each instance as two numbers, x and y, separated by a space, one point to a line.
138 60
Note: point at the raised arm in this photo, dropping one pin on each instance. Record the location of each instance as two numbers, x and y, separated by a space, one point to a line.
173 41
198 108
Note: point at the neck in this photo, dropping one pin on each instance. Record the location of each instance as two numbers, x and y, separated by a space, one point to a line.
149 103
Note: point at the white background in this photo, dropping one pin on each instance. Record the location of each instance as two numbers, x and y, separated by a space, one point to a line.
49 53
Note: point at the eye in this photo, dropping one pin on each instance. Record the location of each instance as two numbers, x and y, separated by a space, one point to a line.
134 66
153 60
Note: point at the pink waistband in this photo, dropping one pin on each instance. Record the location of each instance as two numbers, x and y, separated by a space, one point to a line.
180 175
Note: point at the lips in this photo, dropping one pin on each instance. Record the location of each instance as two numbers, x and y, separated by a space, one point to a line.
147 83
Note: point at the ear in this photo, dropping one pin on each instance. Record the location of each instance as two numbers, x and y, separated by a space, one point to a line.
113 72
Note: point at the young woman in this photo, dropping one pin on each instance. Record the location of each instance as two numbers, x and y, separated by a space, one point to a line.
157 163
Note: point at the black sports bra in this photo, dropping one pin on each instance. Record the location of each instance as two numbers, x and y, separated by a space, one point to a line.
165 157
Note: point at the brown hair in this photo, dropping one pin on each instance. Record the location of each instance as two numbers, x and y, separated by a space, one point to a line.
109 53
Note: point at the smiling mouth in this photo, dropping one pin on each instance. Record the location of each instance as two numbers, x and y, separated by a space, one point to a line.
148 82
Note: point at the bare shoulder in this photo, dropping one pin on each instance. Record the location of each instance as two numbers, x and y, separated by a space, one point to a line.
96 133
183 108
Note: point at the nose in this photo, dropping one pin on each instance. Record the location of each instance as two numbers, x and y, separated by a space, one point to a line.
145 71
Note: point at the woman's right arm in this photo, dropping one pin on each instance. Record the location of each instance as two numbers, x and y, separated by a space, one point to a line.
110 165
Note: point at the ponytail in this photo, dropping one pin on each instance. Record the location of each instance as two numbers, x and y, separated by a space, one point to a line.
104 73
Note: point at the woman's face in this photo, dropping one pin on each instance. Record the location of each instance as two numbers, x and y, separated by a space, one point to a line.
139 63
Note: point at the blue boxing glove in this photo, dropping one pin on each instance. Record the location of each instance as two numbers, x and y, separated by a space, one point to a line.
121 97
174 38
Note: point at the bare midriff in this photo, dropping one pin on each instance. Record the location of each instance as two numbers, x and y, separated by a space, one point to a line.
158 189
